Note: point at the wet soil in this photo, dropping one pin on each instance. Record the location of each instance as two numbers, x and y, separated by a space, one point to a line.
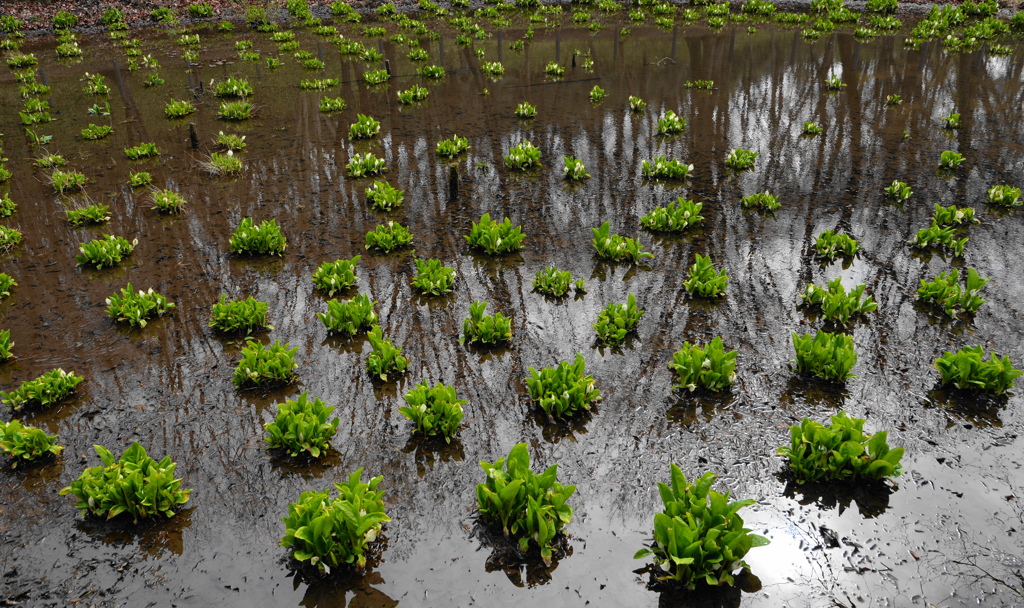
946 534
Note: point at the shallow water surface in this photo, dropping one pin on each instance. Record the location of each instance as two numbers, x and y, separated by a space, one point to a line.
945 535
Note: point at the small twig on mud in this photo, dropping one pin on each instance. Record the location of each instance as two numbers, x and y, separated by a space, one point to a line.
988 574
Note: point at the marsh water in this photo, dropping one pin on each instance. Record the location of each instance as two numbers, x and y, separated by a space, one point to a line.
947 533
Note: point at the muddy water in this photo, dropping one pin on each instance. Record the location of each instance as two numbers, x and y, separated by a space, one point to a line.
947 535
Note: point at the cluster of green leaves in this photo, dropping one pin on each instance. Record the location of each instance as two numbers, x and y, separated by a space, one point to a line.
329 533
492 68
413 94
95 84
764 8
811 128
670 124
317 84
332 104
556 283
740 159
450 148
522 156
388 237
265 365
7 205
433 277
825 355
94 132
636 105
950 160
945 292
143 150
336 276
495 238
665 168
67 181
200 10
574 169
238 316
527 506
301 427
235 110
136 308
952 121
485 329
382 196
233 87
615 321
49 389
838 452
526 110
375 77
553 68
953 216
178 108
107 251
699 535
761 200
223 163
677 216
834 83
25 443
836 304
9 238
709 366
435 410
135 484
563 391
830 245
966 369
366 164
431 71
349 317
263 239
365 127
385 358
231 142
139 179
50 161
93 214
617 248
898 191
1004 195
704 280
6 345
936 236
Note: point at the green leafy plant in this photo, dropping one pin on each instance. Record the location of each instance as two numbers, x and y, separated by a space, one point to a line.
841 451
433 277
452 147
50 161
375 77
105 252
349 317
135 484
93 214
670 124
25 443
485 329
332 532
265 238
677 216
413 94
362 165
708 366
812 128
665 168
144 150
382 196
6 285
563 391
939 237
952 121
950 160
830 245
492 68
67 181
7 205
317 84
139 179
433 72
329 104
597 94
704 280
9 238
332 277
260 365
836 304
301 427
233 143
699 535
617 320
1004 196
556 283
554 69
225 163
636 105
523 156
740 159
94 132
893 100
235 110
64 19
233 87
435 410
834 83
945 292
136 308
617 248
385 358
966 369
827 356
313 64
898 191
45 391
200 10
526 110
495 238
761 200
388 237
574 169
953 216
365 127
527 505
238 316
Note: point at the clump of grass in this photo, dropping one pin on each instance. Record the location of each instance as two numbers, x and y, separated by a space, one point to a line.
318 84
178 109
97 213
234 87
332 104
143 150
50 161
168 201
9 238
67 181
235 110
94 132
388 237
234 143
223 164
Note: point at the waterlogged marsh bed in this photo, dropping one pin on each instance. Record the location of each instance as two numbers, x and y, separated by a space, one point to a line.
947 536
